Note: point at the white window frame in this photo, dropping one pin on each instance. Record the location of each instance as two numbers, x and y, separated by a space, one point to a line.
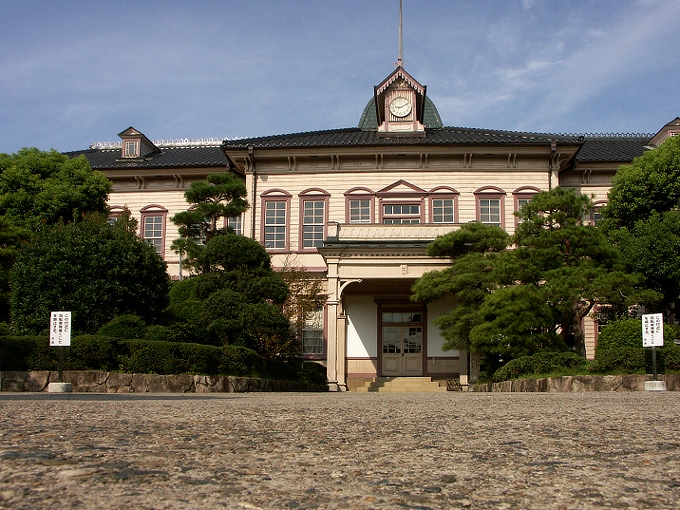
313 219
483 208
270 233
155 237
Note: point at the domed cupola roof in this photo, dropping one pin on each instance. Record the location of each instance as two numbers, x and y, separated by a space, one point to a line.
369 118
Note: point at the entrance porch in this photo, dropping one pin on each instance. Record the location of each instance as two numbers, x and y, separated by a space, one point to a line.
374 329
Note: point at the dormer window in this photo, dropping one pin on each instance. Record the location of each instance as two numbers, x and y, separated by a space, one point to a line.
136 146
131 149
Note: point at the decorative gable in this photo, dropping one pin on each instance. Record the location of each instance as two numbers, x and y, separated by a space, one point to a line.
401 188
400 105
669 130
136 145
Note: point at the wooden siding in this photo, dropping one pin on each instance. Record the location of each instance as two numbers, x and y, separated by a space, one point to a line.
338 183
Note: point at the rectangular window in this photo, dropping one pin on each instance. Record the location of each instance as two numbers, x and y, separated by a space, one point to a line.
359 211
153 232
401 214
131 149
521 202
490 211
312 333
313 223
443 210
597 216
275 225
236 223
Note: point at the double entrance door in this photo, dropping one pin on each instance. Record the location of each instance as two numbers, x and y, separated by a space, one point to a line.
402 343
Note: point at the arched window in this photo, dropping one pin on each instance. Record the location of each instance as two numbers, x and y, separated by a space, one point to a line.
360 205
152 226
275 228
443 205
490 205
521 197
313 218
596 212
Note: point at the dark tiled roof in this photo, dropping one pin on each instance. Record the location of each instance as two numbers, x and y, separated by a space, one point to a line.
594 148
358 138
617 149
170 157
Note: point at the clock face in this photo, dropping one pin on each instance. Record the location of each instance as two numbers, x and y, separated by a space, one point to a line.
400 106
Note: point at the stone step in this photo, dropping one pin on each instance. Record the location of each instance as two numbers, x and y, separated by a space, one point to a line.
402 385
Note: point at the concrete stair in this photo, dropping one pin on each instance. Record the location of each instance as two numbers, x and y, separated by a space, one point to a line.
402 385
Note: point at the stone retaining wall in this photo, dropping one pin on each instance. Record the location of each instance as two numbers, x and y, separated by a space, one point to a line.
91 381
581 383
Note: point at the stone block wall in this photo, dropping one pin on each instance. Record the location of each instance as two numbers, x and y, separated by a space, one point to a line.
91 381
581 383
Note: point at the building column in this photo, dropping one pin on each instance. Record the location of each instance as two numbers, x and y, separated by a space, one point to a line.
332 355
341 369
464 360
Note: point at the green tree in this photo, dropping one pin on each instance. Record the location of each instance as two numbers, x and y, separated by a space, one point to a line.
643 219
11 238
42 188
219 197
572 263
474 250
306 294
239 300
651 183
95 269
533 297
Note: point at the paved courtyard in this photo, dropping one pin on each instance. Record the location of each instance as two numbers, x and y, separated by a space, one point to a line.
340 451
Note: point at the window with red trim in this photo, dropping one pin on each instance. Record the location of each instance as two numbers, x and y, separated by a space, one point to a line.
153 227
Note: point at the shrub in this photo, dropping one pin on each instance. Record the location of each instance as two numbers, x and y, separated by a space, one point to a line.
127 326
540 363
181 290
671 357
312 373
160 334
23 352
90 352
623 333
188 323
619 349
238 360
170 358
96 270
623 359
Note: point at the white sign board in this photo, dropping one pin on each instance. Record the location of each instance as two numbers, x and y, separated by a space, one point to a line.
60 329
652 330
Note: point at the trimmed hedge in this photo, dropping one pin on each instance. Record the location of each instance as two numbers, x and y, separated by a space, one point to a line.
619 349
20 352
91 352
540 363
87 352
159 357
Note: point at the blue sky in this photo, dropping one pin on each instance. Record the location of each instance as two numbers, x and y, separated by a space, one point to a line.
74 72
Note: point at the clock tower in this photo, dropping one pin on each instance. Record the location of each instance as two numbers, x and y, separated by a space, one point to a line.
400 102
399 106
400 99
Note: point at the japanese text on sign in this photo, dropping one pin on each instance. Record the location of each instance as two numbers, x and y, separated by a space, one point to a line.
60 329
652 330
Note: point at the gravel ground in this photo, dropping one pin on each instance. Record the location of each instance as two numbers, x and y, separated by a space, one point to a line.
341 451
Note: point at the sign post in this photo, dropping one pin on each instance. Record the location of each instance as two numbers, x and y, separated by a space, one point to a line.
652 336
60 336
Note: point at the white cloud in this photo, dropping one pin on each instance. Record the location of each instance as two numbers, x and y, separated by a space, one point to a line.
630 47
